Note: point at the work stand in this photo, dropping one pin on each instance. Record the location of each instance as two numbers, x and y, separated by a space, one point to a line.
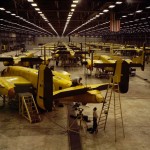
73 125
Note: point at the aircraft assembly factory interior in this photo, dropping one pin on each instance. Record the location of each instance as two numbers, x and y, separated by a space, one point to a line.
74 74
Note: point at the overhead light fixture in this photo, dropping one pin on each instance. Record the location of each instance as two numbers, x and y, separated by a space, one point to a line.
34 4
139 11
76 1
148 7
105 10
131 14
118 2
2 8
91 19
30 1
73 5
40 12
72 9
111 6
8 12
13 14
101 13
124 16
42 15
70 13
37 9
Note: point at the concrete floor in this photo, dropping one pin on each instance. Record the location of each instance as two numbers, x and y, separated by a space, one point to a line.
16 133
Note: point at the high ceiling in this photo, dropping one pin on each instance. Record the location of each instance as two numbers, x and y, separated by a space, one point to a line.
60 18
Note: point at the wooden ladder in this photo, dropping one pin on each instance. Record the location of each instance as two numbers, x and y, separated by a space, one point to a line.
112 91
28 108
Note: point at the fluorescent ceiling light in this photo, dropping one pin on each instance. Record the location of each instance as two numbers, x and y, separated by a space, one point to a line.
34 4
37 9
105 10
40 12
118 2
30 1
73 5
131 14
111 6
76 1
148 7
42 15
13 14
72 9
8 12
2 8
101 13
124 16
139 11
69 15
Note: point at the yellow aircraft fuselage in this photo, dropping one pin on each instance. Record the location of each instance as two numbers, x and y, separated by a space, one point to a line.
59 79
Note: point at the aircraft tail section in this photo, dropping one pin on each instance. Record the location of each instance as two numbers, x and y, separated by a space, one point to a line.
140 59
121 75
45 88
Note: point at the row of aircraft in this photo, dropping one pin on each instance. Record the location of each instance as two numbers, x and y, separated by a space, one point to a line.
61 52
48 85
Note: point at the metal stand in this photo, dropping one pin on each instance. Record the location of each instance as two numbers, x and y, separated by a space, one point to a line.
79 116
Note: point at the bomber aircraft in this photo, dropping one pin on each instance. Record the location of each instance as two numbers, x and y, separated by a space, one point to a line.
48 85
107 63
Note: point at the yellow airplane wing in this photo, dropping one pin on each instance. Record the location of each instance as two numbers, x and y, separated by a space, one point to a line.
93 96
8 84
84 94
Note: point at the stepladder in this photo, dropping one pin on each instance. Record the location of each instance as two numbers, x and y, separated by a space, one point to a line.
28 108
112 103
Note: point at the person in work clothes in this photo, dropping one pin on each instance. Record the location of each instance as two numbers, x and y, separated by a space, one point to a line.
95 116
